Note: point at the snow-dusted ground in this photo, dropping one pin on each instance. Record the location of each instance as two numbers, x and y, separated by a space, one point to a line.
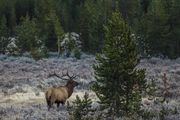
23 82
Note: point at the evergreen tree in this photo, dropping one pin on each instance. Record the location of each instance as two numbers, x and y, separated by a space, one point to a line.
12 21
3 34
43 11
27 35
129 9
49 23
81 108
144 5
88 25
119 83
58 30
159 28
155 22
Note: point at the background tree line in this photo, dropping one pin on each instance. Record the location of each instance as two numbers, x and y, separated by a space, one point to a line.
155 23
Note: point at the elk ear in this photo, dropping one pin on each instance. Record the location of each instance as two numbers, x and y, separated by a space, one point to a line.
70 82
76 83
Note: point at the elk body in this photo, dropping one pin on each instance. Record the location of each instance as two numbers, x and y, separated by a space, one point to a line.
60 94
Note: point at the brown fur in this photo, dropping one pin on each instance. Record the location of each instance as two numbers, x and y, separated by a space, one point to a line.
60 94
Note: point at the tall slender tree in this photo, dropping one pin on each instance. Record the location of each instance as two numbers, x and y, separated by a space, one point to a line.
119 83
27 35
4 33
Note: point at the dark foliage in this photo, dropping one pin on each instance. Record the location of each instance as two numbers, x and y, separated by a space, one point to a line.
154 22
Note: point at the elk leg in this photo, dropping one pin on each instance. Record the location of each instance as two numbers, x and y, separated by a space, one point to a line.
63 103
58 103
49 105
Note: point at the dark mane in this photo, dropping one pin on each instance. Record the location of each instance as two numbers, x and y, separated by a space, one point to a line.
70 87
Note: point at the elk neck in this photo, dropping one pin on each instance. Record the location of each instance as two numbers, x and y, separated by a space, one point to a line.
70 89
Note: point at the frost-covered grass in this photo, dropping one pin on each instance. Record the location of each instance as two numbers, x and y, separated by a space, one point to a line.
23 82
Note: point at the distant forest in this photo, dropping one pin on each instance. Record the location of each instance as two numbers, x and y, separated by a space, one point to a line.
155 24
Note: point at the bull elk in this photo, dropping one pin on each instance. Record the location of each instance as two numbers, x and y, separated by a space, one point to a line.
60 94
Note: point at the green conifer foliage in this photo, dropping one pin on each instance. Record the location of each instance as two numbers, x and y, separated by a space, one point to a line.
27 34
159 28
119 84
58 30
3 34
81 108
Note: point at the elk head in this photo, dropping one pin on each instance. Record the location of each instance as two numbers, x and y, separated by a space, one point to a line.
70 79
67 77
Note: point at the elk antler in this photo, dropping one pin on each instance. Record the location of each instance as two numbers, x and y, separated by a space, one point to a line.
67 74
53 74
63 75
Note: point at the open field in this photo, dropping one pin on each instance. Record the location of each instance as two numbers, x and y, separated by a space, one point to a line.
23 82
